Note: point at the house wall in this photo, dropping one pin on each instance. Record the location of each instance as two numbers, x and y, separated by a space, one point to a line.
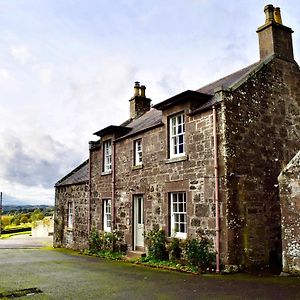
76 237
101 185
289 182
159 176
261 135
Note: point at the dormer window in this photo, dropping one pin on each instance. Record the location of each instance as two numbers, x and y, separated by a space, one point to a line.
177 135
107 156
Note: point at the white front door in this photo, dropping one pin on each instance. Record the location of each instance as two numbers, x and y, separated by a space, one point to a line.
138 216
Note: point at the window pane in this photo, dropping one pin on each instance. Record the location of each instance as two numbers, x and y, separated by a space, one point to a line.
182 228
177 135
181 208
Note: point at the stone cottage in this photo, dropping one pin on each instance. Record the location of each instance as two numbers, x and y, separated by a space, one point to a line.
201 161
289 182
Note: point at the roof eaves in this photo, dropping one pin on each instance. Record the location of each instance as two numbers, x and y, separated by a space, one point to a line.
75 183
112 129
139 131
186 95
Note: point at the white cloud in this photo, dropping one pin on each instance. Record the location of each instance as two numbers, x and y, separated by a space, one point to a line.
46 75
21 54
4 75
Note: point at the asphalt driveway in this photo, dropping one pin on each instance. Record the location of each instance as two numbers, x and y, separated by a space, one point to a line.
61 274
25 241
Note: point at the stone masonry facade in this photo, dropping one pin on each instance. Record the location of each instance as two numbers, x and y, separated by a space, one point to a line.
289 181
219 150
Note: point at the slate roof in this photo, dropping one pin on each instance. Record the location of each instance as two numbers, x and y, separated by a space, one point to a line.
78 175
150 119
226 81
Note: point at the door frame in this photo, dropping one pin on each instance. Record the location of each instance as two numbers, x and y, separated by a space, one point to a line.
135 221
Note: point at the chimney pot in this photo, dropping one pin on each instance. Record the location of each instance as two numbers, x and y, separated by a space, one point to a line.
277 15
269 11
136 89
143 91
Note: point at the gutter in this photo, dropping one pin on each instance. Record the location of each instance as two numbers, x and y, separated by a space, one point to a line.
216 175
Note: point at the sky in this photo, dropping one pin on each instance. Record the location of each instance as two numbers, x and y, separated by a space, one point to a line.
68 67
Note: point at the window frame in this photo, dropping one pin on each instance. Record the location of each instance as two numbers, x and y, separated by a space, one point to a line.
70 215
138 153
107 156
175 142
181 214
107 216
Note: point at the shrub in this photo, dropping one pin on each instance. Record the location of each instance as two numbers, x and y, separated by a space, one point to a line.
174 248
156 241
199 252
108 241
94 241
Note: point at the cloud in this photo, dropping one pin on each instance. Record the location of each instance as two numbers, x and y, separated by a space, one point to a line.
46 75
36 162
21 54
4 75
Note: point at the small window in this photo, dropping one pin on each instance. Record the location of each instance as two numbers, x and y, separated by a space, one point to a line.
138 152
177 135
70 215
107 215
107 156
178 214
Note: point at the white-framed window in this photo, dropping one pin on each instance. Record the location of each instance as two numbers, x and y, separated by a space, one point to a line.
107 156
70 215
138 152
178 214
107 215
177 133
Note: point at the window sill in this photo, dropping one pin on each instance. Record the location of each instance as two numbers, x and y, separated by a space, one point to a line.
176 159
169 238
106 173
137 167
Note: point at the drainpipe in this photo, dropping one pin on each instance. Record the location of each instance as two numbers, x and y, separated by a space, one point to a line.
216 167
113 185
90 191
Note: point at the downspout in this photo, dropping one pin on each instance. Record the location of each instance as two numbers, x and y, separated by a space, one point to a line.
113 185
216 173
90 192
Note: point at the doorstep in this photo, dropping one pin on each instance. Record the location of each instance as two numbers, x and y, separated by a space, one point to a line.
135 254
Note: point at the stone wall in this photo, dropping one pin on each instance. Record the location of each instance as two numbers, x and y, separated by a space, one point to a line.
289 181
76 237
193 174
262 126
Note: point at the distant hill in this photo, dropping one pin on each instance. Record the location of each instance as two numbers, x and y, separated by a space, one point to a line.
25 207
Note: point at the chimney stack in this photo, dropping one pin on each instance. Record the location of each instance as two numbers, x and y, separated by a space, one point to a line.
139 104
275 38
